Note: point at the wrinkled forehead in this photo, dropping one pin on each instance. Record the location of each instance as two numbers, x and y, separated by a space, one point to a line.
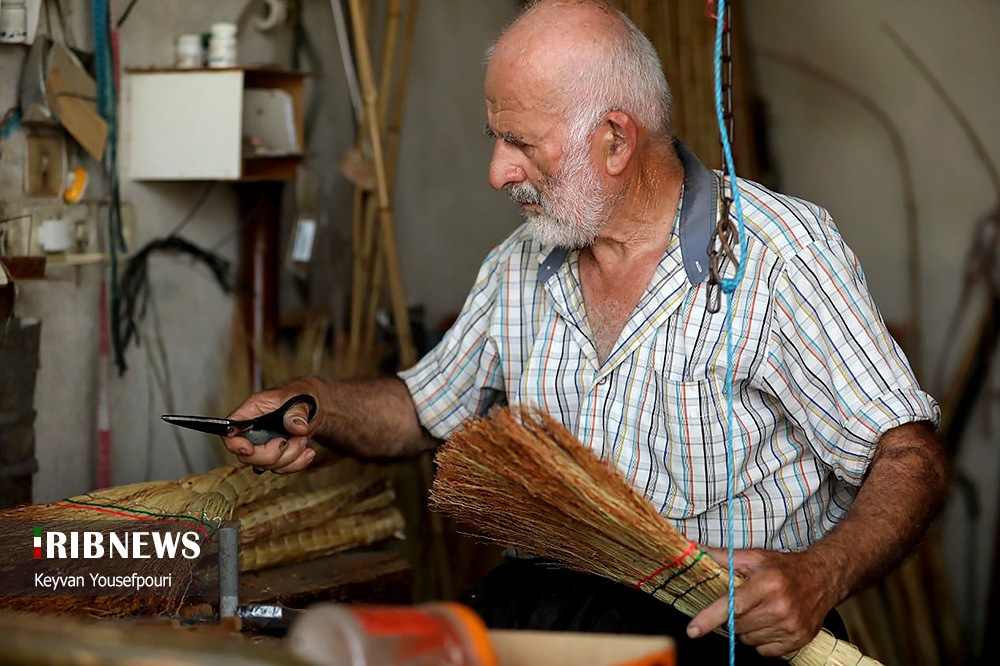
521 85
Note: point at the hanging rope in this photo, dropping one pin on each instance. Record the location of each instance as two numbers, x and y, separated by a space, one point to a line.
728 287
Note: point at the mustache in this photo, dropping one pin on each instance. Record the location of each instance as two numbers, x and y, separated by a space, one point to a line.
523 193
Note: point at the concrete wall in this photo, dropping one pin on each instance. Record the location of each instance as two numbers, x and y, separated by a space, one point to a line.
829 150
448 219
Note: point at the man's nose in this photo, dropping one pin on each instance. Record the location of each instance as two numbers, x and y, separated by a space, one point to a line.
504 170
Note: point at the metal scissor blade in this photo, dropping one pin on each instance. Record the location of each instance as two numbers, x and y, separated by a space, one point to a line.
212 426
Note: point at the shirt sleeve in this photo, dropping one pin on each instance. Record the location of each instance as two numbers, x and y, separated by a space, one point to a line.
835 369
462 375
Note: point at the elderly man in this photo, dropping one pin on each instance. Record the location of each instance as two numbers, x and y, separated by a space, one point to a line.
595 310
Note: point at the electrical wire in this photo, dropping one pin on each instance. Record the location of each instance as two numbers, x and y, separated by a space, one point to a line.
164 382
124 16
135 286
199 202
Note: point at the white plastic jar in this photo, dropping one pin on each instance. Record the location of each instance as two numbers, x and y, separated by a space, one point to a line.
188 52
13 22
222 45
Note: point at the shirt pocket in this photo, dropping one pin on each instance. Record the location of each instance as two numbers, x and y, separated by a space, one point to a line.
694 457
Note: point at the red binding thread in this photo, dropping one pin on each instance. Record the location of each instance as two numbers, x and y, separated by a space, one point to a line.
690 549
126 515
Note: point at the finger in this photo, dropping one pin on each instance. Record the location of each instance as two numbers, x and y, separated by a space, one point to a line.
747 598
709 619
291 451
762 636
299 464
297 419
755 619
265 455
776 649
256 405
241 446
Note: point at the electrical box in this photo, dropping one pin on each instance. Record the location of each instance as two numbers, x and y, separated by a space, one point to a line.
236 124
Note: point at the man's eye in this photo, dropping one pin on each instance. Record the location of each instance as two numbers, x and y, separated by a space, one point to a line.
514 140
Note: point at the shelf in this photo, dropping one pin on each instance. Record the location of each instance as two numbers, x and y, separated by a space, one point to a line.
189 124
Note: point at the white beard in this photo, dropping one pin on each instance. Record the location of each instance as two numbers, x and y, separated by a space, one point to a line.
573 209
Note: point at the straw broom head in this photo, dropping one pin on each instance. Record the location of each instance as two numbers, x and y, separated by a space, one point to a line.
202 498
521 479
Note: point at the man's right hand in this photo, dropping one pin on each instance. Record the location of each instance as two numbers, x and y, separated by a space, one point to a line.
282 456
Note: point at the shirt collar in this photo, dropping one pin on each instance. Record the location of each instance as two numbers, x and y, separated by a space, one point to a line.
699 205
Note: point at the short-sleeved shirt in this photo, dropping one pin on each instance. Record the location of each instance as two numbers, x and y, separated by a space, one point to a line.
817 377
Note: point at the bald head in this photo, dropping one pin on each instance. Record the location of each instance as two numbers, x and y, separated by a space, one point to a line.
581 59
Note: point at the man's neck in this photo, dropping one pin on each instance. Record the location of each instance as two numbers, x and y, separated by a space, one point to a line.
642 224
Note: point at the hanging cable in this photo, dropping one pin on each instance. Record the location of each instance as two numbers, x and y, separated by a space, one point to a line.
135 286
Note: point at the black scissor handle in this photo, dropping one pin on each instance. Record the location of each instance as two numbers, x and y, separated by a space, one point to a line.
271 425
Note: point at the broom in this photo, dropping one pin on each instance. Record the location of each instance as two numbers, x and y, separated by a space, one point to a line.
521 479
202 501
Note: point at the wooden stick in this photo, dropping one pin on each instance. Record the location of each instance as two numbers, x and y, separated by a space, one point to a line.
389 40
393 134
374 252
369 94
365 237
399 98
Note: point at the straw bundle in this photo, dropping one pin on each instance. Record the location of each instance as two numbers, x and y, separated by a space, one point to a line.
335 506
523 480
286 514
341 534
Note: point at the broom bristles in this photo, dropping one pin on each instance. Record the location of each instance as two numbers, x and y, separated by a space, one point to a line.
521 479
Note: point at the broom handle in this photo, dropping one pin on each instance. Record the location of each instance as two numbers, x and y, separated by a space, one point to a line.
822 649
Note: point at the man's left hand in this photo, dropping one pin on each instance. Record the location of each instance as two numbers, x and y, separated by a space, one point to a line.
781 604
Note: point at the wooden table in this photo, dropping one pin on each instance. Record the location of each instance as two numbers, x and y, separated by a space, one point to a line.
366 577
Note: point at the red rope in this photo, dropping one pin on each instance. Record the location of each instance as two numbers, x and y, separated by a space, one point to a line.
125 515
690 549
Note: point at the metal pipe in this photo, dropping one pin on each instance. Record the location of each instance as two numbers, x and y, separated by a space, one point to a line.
229 570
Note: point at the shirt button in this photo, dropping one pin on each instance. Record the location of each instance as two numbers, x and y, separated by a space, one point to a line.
602 381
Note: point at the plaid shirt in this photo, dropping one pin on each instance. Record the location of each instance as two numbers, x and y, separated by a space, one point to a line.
818 379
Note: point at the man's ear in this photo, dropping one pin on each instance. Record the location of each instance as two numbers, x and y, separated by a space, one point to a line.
618 138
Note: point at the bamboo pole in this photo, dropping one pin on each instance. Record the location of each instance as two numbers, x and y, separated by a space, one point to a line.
374 251
364 240
369 94
393 134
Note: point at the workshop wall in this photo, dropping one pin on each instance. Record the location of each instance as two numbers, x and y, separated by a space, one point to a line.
828 149
195 315
447 218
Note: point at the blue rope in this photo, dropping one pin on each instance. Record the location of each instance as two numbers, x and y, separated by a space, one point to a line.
107 106
728 287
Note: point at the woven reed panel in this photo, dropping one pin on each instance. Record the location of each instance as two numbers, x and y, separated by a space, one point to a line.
684 36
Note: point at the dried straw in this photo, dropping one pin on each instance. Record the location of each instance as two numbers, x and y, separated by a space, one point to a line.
267 518
523 480
333 537
341 489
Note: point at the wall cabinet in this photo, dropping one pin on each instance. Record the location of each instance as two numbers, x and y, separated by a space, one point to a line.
238 124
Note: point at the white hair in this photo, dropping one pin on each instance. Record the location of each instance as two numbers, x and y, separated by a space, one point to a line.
626 75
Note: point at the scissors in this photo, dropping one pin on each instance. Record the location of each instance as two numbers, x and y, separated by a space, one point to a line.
259 431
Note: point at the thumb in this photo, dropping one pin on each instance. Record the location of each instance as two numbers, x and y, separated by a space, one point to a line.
297 420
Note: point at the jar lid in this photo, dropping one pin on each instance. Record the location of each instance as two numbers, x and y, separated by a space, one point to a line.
223 30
